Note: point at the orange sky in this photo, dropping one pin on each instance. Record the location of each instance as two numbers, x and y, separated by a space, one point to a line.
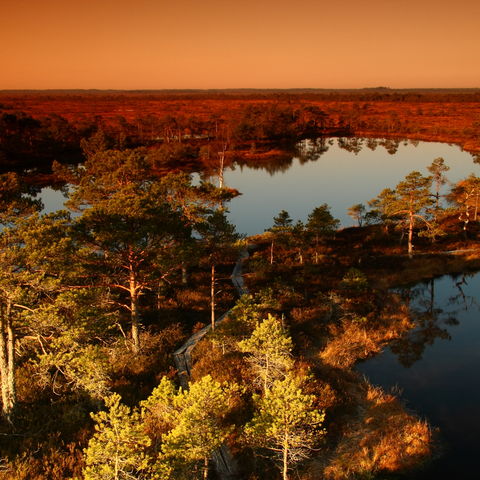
150 44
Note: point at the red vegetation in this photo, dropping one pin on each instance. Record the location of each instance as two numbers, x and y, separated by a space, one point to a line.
444 116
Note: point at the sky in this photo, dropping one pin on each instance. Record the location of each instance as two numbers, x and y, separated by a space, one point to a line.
178 44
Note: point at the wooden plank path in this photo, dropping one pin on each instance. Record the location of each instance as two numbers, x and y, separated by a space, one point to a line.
225 464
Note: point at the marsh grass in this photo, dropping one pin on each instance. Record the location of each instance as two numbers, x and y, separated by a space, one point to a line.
380 437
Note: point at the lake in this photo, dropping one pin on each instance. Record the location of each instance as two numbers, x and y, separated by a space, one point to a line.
436 367
338 177
339 172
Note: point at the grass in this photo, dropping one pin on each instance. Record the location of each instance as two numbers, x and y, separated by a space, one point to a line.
380 437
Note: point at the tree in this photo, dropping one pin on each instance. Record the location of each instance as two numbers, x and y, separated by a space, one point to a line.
133 225
286 422
299 239
269 348
320 224
129 243
218 242
16 200
408 203
117 450
15 295
190 422
466 195
437 169
381 209
413 198
357 212
44 311
282 222
282 226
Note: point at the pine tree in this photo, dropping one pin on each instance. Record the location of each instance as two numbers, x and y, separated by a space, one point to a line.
466 196
190 421
413 198
438 169
286 422
117 450
281 229
357 212
219 243
269 348
321 224
408 203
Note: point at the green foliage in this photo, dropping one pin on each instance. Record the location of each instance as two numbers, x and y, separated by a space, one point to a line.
269 348
218 236
413 193
354 279
321 222
15 198
190 422
357 212
286 422
438 169
117 450
382 207
282 223
247 311
75 367
465 195
134 226
407 206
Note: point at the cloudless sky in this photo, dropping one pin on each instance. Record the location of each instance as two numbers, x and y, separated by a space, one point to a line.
150 44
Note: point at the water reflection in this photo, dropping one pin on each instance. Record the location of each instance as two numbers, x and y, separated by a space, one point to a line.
433 317
428 323
340 172
436 366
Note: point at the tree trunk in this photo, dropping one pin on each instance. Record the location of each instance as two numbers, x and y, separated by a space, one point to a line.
285 459
134 316
7 361
205 468
265 377
271 253
212 297
221 168
410 235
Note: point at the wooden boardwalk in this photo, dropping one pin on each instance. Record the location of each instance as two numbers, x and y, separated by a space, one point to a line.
225 464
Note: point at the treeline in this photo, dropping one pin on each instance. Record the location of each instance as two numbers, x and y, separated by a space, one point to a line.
29 141
415 211
36 128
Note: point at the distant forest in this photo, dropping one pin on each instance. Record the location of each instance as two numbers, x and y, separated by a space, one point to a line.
38 127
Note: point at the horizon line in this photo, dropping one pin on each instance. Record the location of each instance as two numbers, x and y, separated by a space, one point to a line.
241 89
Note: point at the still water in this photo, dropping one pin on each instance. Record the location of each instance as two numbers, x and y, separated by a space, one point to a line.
339 172
436 366
330 173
